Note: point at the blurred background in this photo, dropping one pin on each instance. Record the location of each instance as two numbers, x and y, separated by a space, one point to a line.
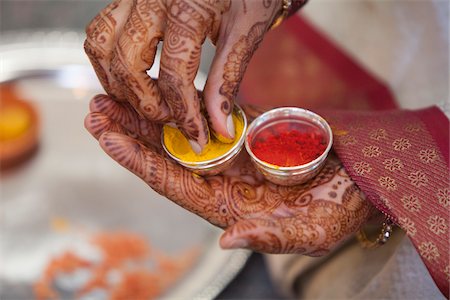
61 189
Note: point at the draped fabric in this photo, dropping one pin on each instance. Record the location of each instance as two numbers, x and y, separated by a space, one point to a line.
311 72
399 158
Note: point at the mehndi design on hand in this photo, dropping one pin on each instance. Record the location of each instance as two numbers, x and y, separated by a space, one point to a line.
121 44
311 218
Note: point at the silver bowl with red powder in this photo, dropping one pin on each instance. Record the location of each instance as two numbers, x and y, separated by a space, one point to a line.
289 145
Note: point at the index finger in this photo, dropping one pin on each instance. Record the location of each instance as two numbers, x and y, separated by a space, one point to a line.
186 30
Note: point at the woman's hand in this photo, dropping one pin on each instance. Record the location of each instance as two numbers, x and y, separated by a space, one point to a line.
311 218
121 45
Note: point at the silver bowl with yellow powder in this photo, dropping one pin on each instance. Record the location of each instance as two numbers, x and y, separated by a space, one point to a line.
216 157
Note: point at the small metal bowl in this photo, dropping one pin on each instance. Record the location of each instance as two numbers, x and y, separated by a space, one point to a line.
220 163
294 175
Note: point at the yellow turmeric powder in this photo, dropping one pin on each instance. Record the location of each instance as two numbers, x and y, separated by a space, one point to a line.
177 144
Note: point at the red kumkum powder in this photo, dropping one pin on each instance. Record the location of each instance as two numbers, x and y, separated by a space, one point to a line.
287 147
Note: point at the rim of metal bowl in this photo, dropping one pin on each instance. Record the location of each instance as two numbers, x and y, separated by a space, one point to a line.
288 111
207 163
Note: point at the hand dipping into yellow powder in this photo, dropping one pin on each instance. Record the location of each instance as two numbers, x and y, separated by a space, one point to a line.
177 144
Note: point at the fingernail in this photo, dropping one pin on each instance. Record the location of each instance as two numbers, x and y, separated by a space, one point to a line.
172 124
238 243
230 126
195 146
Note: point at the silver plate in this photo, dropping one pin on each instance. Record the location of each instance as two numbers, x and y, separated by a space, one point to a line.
71 178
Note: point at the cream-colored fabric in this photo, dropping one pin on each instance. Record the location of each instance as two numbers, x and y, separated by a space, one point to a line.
404 42
393 271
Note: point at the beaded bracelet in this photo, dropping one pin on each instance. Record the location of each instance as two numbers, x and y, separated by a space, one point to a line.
288 8
383 237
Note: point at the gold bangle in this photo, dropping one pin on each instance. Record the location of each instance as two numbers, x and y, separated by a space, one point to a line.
383 237
286 6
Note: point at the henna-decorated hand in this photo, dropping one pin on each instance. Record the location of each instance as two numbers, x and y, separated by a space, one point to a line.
121 45
311 218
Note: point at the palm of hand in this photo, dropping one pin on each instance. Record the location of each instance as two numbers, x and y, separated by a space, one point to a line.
311 218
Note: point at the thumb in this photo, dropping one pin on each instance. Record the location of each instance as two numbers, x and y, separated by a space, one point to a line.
262 235
283 235
235 47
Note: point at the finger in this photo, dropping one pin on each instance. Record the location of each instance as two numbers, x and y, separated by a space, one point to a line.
134 54
234 51
187 27
287 235
98 123
126 116
101 35
190 191
260 235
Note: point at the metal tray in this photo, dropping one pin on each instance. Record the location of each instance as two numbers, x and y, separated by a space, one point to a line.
70 177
